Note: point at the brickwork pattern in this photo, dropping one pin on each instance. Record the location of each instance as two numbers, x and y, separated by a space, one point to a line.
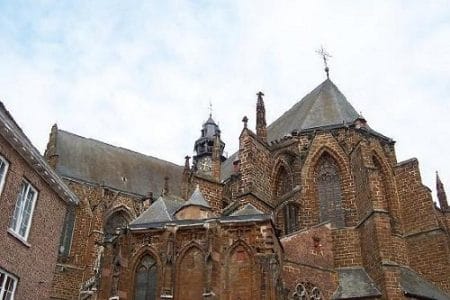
32 261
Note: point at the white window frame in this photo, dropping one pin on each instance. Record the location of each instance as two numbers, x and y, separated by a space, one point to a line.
5 171
2 284
25 190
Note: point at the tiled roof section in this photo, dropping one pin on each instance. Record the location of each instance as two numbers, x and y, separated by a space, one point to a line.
324 106
355 283
247 210
226 169
414 285
125 170
197 199
162 210
12 132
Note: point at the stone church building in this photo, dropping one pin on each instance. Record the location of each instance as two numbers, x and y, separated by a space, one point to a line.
312 206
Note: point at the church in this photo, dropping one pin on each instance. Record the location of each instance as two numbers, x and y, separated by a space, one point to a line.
313 206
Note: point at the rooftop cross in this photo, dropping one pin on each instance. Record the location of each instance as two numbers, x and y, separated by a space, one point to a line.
260 94
325 55
210 109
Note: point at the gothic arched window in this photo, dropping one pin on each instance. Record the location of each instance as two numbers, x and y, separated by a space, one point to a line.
329 191
290 212
239 268
146 279
283 183
191 275
115 221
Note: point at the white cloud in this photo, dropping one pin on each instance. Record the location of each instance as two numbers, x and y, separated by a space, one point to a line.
141 75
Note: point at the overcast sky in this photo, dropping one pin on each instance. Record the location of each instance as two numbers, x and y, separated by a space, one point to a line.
140 74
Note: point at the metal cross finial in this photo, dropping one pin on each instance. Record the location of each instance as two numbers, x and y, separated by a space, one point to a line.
210 109
325 55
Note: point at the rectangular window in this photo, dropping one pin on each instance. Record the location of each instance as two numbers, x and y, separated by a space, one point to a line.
67 233
23 211
3 169
8 285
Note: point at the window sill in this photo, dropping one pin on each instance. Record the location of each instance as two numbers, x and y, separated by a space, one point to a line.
18 237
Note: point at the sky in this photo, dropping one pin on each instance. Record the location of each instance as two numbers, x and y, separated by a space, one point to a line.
141 74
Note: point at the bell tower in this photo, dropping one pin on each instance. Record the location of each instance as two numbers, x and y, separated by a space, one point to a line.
204 157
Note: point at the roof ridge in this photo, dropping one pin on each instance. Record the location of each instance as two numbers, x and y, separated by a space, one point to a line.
117 147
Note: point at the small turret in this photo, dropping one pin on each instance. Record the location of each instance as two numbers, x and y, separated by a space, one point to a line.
204 147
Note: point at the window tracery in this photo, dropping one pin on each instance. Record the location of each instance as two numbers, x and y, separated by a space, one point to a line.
115 221
329 191
146 279
307 291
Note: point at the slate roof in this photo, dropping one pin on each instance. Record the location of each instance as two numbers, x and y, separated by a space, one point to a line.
324 106
355 283
197 199
93 161
414 285
247 210
162 210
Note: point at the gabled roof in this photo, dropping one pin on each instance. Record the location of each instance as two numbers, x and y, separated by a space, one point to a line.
414 285
162 210
247 210
354 282
324 106
11 131
96 162
197 199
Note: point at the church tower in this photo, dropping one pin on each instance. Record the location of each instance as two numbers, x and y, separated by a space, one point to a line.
204 148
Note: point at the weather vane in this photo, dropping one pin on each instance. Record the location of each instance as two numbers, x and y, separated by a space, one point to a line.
325 55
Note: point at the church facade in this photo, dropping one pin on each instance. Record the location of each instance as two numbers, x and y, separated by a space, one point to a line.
313 206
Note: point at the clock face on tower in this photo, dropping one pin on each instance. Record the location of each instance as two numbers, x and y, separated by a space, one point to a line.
204 164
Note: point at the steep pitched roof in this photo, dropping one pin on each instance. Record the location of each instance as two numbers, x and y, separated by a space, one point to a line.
197 199
354 283
247 210
414 285
93 161
162 210
324 106
12 132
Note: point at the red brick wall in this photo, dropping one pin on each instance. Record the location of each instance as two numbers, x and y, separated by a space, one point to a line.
96 204
31 264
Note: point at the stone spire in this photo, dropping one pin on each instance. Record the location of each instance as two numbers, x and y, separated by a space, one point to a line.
261 128
442 197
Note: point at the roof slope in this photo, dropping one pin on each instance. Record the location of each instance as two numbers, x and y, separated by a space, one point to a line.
354 283
12 132
414 285
122 169
197 199
162 210
324 106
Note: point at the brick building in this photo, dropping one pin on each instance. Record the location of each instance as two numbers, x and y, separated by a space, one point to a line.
313 206
33 203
